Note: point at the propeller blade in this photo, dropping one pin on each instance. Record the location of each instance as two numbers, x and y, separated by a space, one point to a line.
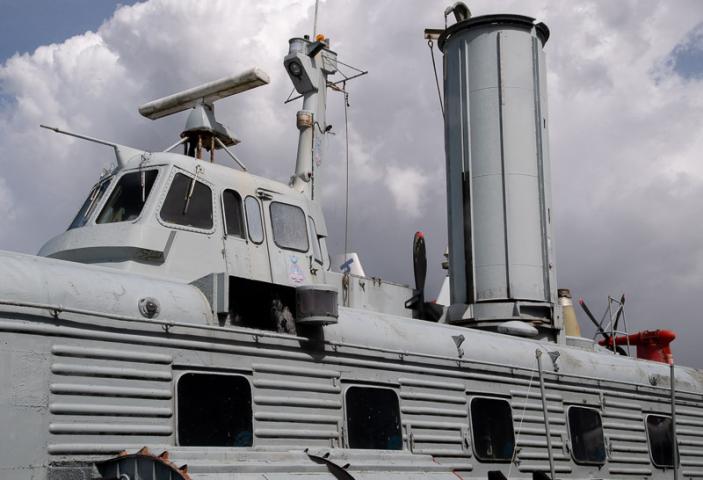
587 310
618 315
419 261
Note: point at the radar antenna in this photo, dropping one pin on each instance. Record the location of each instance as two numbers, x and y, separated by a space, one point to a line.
202 130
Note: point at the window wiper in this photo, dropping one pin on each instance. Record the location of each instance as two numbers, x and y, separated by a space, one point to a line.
190 190
142 180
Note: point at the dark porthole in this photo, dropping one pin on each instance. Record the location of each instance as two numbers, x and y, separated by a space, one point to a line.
234 216
373 419
214 411
492 427
661 440
586 431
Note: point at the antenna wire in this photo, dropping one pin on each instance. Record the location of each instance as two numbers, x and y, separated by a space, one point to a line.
346 148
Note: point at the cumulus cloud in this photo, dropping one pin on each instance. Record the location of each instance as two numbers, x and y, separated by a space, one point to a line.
407 187
624 126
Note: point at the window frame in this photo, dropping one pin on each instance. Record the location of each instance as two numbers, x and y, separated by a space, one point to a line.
245 230
571 442
98 208
90 217
305 221
176 415
312 228
677 457
164 193
473 430
345 413
261 220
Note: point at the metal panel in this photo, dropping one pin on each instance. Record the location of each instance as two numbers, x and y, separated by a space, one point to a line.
497 166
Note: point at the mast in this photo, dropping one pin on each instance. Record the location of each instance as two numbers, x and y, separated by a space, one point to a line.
308 64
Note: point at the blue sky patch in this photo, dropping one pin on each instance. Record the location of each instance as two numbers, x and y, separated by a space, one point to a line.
686 59
24 26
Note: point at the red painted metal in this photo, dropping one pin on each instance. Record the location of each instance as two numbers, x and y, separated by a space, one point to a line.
651 344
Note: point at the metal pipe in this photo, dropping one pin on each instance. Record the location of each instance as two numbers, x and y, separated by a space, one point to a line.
538 354
673 422
182 140
241 165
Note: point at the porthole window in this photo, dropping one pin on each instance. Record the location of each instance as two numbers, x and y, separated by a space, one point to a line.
289 227
234 217
188 203
128 197
373 418
492 428
214 410
586 433
661 440
254 225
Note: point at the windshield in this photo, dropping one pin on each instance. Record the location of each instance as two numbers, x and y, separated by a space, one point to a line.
128 197
90 203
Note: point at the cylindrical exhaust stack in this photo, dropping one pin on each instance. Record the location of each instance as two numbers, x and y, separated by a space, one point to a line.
571 323
498 181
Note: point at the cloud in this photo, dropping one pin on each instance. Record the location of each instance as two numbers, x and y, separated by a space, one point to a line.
624 126
407 186
8 209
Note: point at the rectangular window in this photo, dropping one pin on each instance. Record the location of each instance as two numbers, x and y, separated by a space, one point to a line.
188 203
289 228
234 217
373 418
586 432
492 427
214 411
661 440
254 225
128 197
96 194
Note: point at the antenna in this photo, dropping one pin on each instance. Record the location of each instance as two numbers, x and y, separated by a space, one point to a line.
122 152
202 130
207 93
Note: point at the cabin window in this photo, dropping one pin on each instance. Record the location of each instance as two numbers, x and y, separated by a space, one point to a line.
316 251
128 197
492 427
661 440
214 410
289 227
234 217
254 225
188 203
586 432
96 194
373 418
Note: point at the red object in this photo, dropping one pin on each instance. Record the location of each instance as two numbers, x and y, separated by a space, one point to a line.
651 344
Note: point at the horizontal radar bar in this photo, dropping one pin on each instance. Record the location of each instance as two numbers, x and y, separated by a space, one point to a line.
207 93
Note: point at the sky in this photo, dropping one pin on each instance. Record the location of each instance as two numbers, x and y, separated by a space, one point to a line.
625 84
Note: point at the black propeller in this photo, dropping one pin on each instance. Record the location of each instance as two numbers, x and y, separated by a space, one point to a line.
421 309
619 313
605 334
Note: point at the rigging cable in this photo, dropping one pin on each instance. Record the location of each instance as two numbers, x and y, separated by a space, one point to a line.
519 428
346 152
430 44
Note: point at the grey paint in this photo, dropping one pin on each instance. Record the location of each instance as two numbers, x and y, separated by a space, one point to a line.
86 375
500 241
